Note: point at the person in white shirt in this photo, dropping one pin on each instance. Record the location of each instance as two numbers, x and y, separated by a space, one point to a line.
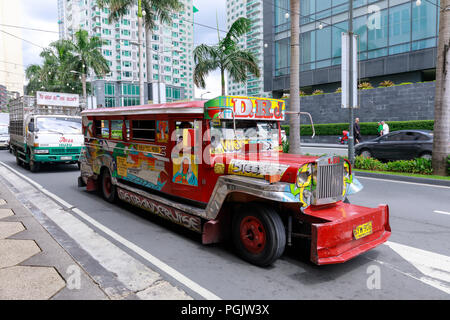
385 128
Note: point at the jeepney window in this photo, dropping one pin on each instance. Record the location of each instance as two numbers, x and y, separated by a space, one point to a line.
225 139
102 128
117 129
180 126
127 129
144 130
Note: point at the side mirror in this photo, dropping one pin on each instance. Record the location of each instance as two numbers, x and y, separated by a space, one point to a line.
31 127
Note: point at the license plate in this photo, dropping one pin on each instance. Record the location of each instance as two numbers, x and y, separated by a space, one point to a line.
363 230
66 158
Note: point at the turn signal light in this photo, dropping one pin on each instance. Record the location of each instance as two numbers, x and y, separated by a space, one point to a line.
273 178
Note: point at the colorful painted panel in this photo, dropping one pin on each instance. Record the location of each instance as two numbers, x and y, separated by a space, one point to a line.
248 108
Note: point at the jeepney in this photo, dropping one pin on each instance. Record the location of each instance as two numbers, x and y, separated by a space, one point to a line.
217 167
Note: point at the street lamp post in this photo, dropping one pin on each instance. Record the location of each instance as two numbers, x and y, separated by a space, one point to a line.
201 96
351 141
141 14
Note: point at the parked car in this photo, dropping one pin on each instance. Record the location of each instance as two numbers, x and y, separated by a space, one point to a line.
4 136
398 145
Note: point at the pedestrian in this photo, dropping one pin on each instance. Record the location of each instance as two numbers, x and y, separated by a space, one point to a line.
380 129
357 131
385 128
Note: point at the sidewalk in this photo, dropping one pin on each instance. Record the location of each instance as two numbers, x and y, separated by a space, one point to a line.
48 252
33 266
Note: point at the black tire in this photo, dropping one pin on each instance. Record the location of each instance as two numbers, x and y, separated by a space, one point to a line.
346 200
34 166
366 153
108 189
18 161
426 155
268 225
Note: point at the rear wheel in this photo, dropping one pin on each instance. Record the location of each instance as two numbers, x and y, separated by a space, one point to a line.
18 161
107 187
258 234
366 153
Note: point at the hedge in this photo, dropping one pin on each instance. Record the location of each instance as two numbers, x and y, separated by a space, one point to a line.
418 166
367 128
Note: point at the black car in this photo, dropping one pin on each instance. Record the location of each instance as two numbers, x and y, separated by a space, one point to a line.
398 145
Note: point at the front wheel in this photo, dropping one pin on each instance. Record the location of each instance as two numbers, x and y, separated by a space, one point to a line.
366 153
258 234
34 166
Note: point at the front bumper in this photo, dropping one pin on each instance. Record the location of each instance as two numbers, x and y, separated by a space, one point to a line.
334 242
4 144
56 158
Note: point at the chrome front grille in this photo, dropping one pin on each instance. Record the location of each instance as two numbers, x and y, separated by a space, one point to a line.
330 182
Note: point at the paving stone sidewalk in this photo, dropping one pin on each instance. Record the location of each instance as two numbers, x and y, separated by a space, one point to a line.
33 266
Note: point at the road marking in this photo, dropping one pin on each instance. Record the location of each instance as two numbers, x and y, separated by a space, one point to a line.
416 183
442 212
435 267
141 252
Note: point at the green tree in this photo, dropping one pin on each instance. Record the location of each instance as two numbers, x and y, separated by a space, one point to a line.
226 56
87 57
149 11
54 74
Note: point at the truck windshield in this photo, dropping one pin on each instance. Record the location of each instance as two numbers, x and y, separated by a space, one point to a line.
59 125
251 132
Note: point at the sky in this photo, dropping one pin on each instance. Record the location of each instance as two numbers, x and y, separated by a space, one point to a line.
43 14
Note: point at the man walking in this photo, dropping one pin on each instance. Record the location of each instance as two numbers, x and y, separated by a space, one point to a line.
385 128
357 131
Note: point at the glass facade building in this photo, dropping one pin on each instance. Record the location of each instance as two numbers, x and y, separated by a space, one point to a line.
385 29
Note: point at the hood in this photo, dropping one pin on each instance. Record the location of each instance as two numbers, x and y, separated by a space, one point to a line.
262 164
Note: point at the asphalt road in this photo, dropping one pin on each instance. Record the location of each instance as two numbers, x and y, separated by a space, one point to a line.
414 264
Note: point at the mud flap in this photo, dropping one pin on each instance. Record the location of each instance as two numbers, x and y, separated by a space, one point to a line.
350 231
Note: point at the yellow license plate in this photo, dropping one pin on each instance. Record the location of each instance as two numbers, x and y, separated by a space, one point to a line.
363 230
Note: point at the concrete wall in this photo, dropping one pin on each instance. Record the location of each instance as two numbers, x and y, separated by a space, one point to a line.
398 103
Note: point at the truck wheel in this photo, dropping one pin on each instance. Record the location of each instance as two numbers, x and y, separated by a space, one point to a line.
34 166
107 187
18 161
258 234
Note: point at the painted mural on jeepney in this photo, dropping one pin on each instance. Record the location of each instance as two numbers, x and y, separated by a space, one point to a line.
297 189
256 169
185 170
251 108
162 131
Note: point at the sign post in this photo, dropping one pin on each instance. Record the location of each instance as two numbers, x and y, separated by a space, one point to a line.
349 74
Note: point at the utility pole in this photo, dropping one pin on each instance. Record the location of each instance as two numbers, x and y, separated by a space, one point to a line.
351 138
141 53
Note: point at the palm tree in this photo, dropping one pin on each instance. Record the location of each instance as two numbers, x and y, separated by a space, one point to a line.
441 140
149 11
87 56
294 120
226 56
54 74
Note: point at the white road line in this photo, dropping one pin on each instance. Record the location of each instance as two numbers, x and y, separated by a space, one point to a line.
442 212
141 252
395 181
435 267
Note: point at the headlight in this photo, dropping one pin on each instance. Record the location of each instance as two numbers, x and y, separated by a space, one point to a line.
41 151
303 185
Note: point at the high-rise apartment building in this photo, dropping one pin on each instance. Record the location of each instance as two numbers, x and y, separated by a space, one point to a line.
12 74
168 76
253 41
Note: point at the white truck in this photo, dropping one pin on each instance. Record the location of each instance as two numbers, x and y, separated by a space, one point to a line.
45 129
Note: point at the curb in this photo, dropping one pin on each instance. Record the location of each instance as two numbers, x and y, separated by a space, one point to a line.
429 181
324 145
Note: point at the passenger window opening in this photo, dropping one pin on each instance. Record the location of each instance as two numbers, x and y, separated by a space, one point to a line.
143 130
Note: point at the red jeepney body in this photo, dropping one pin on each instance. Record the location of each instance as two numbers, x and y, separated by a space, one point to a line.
167 159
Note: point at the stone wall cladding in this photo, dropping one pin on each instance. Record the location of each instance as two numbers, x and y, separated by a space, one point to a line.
398 103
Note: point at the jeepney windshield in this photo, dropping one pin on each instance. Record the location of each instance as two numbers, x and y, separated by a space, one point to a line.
59 125
224 139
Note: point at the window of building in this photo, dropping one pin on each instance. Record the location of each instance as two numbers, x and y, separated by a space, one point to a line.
423 20
400 24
